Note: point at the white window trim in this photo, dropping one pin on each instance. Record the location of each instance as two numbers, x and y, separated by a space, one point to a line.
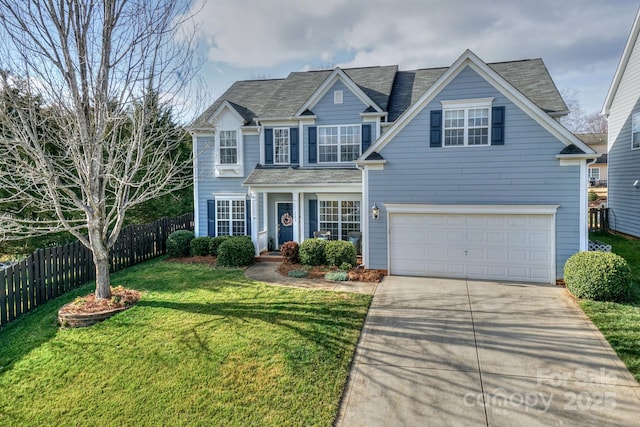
594 169
635 121
231 198
340 199
339 144
229 169
466 105
288 146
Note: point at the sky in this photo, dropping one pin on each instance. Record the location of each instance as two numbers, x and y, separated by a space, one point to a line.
580 41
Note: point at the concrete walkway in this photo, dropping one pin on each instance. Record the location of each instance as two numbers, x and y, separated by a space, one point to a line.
268 272
443 352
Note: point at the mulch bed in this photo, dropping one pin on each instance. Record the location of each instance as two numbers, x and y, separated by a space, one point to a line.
318 272
120 298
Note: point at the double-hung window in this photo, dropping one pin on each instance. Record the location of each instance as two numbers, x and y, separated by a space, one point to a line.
228 147
339 143
594 174
340 217
230 217
635 131
466 123
281 146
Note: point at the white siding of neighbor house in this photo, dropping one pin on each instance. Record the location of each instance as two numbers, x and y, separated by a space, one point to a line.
523 171
623 162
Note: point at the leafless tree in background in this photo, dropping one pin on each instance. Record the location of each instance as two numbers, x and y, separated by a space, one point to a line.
90 148
577 121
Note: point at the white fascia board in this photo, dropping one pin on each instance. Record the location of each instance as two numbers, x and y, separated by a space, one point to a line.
278 121
229 107
202 132
469 59
372 164
622 65
399 208
336 75
305 188
250 130
374 115
578 157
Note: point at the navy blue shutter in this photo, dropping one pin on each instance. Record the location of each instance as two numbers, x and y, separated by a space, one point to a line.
293 139
313 145
268 146
497 126
436 128
366 137
211 217
247 213
313 217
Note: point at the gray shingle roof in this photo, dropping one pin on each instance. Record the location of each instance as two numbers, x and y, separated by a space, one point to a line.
571 149
291 176
392 90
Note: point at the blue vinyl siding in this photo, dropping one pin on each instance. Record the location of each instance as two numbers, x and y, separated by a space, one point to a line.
328 114
208 184
523 171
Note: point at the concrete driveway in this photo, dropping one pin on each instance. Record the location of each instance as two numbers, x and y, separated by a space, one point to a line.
439 352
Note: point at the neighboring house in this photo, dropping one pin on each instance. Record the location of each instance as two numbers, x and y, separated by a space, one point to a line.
622 108
597 170
470 170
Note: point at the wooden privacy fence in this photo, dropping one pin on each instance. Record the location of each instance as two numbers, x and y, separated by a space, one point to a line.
599 219
50 272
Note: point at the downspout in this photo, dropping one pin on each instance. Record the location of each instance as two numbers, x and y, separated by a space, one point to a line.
364 219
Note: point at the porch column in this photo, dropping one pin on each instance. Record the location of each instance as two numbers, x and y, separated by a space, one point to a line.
295 196
254 222
301 222
265 212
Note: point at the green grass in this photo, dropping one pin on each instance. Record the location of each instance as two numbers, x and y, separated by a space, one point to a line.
620 323
202 347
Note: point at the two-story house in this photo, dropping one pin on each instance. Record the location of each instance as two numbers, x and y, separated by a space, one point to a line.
462 171
622 108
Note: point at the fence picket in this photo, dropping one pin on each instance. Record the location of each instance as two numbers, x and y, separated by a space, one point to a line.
50 272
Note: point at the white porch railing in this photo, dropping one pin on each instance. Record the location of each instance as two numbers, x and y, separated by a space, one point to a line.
263 241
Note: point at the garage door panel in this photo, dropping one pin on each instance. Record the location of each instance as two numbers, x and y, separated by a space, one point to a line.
478 246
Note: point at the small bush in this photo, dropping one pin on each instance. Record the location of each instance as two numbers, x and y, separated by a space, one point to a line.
312 252
345 266
214 244
178 243
593 196
200 246
291 252
298 274
601 276
337 276
236 252
338 252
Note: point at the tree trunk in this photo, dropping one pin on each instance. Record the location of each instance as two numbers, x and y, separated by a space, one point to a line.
103 278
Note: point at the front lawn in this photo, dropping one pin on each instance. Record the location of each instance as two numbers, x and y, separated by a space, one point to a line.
620 323
202 347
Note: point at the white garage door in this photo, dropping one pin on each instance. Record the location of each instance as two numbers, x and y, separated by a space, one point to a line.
509 247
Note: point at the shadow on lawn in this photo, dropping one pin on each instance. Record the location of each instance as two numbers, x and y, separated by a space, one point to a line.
323 324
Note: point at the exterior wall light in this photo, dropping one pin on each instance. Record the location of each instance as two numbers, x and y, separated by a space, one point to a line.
375 211
636 184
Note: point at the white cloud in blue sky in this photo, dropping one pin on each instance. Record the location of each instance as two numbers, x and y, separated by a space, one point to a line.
580 40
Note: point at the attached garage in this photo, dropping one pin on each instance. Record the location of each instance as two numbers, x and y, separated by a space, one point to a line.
486 242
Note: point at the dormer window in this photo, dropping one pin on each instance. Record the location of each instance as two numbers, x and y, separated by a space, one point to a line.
228 147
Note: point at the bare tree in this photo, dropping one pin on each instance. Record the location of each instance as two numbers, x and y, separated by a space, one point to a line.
577 121
90 150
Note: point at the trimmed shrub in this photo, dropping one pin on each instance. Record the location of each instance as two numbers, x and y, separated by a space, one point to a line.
214 244
337 276
291 252
298 274
601 276
236 251
593 196
200 246
338 252
345 266
312 252
178 243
